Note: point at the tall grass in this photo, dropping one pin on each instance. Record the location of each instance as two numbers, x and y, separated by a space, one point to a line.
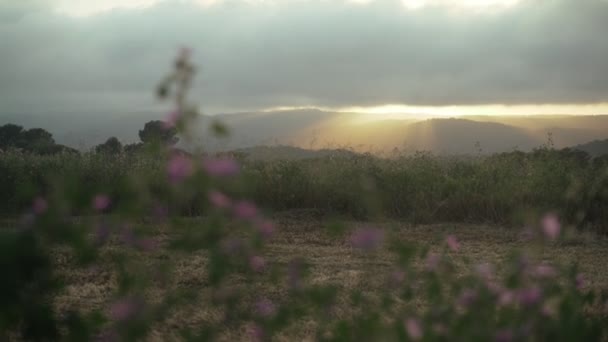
421 188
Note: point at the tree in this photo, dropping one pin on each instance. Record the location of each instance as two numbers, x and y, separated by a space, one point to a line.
111 146
156 132
10 135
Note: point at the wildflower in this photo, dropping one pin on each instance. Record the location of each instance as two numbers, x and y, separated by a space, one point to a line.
506 297
256 332
125 309
529 296
101 202
485 270
580 281
545 271
179 168
257 263
367 238
171 120
245 210
265 228
432 261
221 167
413 328
551 226
397 277
265 308
467 297
453 243
40 206
218 199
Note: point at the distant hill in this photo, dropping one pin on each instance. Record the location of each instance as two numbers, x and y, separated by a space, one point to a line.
291 152
595 148
313 129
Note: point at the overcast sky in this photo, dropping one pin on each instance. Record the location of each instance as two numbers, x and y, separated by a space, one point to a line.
92 55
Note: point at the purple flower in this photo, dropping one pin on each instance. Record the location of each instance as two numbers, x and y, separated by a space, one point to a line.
256 333
545 271
171 120
485 270
467 297
265 308
40 206
221 167
397 277
453 243
530 296
580 281
507 297
257 263
125 309
179 168
101 202
367 238
266 228
245 210
413 328
551 226
432 261
219 200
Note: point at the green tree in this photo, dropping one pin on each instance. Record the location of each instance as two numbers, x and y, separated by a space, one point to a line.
111 146
155 132
10 135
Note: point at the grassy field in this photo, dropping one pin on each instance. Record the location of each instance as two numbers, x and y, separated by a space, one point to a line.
332 261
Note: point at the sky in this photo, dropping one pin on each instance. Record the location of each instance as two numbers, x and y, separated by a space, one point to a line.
384 57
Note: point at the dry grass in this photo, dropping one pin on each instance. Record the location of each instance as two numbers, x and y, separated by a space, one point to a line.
301 234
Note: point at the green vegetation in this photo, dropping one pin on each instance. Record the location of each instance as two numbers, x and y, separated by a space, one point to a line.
420 188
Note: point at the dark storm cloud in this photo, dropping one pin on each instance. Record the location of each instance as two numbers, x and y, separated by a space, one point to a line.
318 53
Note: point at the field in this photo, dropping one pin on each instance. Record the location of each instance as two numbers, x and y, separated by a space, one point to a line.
370 237
302 234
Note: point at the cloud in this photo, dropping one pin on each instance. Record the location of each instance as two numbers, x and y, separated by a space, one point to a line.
260 54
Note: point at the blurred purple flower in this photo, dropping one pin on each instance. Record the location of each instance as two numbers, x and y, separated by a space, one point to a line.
265 308
221 167
367 238
551 226
432 262
413 328
257 263
125 309
179 168
545 271
218 199
505 335
245 210
171 119
580 281
506 297
256 333
529 296
466 298
453 243
101 202
266 228
485 270
40 206
397 277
